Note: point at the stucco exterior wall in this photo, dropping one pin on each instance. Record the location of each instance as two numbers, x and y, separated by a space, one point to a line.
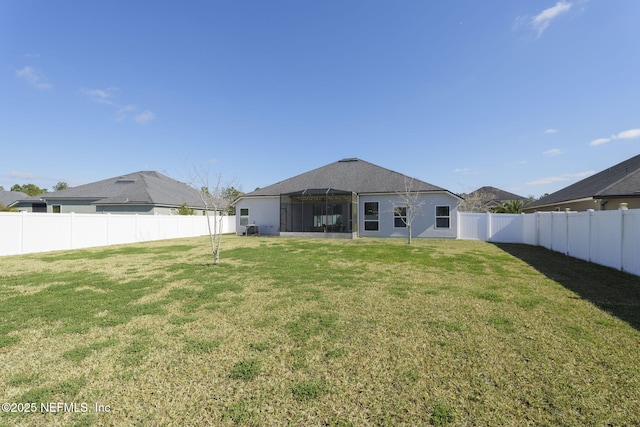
423 225
263 212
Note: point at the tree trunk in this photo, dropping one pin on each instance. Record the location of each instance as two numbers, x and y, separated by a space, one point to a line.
409 233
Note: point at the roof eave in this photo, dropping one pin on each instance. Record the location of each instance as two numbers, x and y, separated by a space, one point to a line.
546 205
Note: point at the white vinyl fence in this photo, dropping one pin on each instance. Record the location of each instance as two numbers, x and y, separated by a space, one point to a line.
610 238
25 232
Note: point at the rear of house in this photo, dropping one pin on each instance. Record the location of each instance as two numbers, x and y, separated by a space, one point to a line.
347 199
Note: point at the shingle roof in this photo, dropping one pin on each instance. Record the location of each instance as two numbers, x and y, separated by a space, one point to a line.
145 187
496 194
621 180
8 197
352 175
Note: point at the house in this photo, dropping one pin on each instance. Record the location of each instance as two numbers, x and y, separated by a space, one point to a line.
605 190
145 192
486 199
7 198
347 198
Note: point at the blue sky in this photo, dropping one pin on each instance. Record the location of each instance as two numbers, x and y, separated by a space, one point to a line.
526 96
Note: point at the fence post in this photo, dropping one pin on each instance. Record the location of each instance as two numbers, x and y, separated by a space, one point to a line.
589 224
108 229
567 211
622 210
71 219
488 238
537 228
22 217
552 233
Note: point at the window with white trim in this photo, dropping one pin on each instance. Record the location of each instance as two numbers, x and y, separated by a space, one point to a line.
371 216
400 217
244 216
443 217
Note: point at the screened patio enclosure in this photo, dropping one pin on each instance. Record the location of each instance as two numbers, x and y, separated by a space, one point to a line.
320 210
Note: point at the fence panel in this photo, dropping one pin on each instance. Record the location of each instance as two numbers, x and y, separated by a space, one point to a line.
560 233
578 239
545 229
606 238
27 232
610 238
506 228
89 230
530 229
122 229
472 226
631 242
43 234
10 233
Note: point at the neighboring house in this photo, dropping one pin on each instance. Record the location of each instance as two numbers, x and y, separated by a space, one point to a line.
602 191
347 198
145 192
9 197
486 199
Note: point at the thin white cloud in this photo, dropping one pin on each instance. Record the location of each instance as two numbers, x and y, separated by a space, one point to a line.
518 163
551 131
562 178
542 21
122 111
145 117
23 175
626 134
464 171
34 77
552 152
101 96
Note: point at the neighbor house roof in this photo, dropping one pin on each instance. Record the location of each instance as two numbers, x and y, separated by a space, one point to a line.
9 197
621 180
138 188
496 194
351 175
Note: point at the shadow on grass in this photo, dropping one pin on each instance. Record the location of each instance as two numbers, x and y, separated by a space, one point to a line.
614 291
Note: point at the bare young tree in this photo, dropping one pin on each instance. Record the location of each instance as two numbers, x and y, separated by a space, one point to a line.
212 194
477 201
408 206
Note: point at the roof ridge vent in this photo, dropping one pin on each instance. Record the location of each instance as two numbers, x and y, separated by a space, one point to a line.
349 159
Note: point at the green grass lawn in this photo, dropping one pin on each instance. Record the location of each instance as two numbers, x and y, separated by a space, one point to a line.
319 332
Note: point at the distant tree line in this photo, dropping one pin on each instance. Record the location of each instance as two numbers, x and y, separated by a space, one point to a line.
34 190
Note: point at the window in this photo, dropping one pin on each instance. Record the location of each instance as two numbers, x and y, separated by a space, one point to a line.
371 218
443 217
56 209
244 216
39 207
400 217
